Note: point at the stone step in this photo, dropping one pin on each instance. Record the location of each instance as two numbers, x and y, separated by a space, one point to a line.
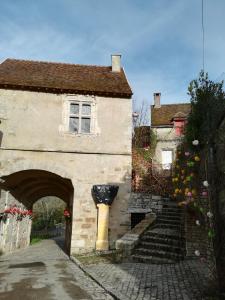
172 210
158 253
169 214
151 260
167 226
169 217
166 221
175 236
169 220
170 204
162 240
165 247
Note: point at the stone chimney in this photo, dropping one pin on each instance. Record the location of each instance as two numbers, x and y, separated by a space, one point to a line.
157 97
116 65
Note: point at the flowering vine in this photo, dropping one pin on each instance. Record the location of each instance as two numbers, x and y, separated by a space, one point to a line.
17 212
187 189
67 214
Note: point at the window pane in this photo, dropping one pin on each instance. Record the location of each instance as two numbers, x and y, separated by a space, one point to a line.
85 125
167 158
74 124
86 109
74 108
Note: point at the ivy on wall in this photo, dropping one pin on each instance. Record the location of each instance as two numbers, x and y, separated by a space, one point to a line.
207 109
194 169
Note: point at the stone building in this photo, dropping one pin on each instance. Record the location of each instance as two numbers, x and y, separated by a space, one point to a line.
168 122
64 128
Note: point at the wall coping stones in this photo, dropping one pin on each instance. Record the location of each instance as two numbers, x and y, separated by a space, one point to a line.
144 203
127 242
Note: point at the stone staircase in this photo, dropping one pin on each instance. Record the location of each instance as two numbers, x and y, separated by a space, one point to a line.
163 242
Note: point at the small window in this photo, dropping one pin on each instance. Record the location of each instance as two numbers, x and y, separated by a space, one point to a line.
167 159
80 118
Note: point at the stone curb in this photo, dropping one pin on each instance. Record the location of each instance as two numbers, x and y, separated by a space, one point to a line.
81 266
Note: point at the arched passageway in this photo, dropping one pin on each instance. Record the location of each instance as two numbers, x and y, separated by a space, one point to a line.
30 185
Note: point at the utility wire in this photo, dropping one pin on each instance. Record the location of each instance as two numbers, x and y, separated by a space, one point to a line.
203 38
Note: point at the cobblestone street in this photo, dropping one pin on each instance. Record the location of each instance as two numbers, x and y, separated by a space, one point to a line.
44 272
185 280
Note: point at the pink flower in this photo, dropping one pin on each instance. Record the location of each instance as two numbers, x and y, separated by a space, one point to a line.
187 153
189 194
202 259
204 193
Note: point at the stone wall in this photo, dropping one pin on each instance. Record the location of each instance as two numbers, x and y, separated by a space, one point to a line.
111 123
42 142
14 234
144 203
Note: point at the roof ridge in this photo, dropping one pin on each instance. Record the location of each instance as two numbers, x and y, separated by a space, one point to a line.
54 62
182 103
172 104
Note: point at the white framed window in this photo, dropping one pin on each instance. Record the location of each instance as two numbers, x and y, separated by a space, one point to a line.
79 117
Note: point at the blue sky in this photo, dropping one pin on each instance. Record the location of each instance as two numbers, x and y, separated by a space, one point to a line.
160 40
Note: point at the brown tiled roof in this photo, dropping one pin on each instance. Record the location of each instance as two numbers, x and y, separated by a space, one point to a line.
63 78
165 114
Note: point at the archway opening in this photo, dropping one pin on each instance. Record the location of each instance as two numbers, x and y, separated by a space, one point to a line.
49 220
24 188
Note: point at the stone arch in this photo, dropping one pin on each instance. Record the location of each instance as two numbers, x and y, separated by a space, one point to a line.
24 165
29 185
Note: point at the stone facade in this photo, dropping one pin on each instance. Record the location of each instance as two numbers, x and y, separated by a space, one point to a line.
167 122
166 140
34 136
14 233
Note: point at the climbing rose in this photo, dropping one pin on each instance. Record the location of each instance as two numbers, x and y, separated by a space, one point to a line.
209 214
197 252
205 183
197 222
66 213
195 142
204 193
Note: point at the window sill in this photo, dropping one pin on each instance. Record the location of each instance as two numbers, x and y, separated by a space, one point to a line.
72 134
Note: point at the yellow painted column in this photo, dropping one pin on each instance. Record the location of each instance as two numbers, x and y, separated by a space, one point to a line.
102 242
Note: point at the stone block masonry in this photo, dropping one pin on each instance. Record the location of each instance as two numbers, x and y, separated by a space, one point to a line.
102 156
14 233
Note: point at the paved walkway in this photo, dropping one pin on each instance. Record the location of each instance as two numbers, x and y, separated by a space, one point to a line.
44 272
136 281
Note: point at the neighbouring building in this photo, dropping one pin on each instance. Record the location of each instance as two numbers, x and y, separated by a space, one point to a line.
167 121
141 138
63 129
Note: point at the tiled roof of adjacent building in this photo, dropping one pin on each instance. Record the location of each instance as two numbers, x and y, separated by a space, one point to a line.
165 113
63 78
